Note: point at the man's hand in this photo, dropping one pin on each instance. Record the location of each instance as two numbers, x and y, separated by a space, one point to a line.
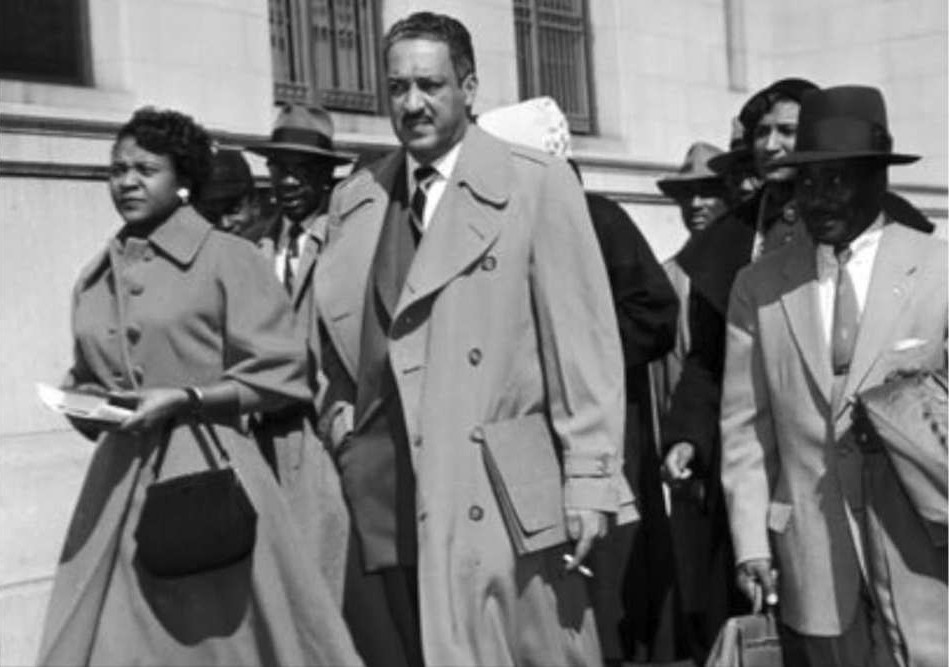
584 526
755 577
155 406
676 468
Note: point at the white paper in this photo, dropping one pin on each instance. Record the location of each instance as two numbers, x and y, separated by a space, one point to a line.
80 405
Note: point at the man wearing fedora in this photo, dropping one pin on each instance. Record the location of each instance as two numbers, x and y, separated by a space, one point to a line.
467 304
301 160
809 326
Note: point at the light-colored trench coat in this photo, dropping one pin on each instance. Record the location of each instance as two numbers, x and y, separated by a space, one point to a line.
186 306
505 337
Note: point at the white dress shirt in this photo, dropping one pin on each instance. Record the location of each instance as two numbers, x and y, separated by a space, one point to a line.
443 168
309 225
860 268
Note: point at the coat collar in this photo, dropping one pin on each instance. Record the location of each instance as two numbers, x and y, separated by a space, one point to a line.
800 299
466 222
182 235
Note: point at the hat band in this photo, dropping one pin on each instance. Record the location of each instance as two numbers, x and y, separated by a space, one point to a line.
300 135
844 135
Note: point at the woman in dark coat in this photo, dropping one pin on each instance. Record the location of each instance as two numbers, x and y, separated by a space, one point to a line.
188 323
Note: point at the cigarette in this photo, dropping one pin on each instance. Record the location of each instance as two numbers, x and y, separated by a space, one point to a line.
582 569
771 600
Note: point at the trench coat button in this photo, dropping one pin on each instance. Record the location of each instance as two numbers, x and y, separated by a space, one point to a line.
417 441
422 516
135 290
474 356
489 263
475 513
111 331
477 434
133 332
148 255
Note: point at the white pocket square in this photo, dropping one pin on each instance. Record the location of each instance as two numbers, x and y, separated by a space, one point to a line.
908 344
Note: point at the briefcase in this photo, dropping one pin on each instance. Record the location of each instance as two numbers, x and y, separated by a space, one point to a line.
747 641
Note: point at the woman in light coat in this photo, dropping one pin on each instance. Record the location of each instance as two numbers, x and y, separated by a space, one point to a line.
189 324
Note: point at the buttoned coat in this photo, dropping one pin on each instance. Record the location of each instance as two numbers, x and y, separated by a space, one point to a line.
789 464
189 305
304 465
503 338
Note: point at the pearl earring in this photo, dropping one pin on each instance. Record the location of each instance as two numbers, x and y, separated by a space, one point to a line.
184 194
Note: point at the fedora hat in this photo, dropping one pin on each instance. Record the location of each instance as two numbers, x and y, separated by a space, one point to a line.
840 123
302 130
694 170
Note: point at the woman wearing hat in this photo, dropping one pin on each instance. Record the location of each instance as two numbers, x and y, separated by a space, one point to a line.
186 326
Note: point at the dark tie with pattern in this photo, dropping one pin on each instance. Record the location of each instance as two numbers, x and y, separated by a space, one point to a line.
424 177
293 251
846 316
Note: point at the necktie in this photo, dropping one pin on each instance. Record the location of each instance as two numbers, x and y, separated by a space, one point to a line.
293 251
424 176
846 316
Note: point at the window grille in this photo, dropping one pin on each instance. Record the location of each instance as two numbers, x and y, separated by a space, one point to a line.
552 56
325 50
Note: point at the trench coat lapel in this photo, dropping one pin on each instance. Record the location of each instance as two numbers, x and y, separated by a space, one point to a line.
801 304
343 270
466 221
891 281
316 235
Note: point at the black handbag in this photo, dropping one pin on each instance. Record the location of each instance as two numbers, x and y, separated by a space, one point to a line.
197 522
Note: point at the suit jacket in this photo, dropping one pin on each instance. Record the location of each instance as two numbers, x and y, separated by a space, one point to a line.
788 457
494 345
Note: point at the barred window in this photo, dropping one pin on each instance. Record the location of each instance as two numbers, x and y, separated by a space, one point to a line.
44 41
552 56
326 51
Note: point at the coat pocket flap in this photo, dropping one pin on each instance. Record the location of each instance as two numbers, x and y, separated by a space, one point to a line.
524 471
779 514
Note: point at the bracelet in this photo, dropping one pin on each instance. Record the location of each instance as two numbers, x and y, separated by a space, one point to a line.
195 399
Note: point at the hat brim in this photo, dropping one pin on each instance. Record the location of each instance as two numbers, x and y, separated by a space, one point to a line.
731 161
277 148
673 186
809 157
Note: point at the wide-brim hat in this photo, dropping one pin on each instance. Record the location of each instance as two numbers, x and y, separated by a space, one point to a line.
693 172
843 123
302 130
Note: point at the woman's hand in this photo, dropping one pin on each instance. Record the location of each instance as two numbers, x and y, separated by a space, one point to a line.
155 406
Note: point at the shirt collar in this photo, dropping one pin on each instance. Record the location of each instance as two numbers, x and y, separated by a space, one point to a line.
443 165
869 238
314 225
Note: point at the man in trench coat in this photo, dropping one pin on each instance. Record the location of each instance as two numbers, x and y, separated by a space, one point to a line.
473 344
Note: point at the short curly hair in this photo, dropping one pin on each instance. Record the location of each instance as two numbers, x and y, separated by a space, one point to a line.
177 135
439 28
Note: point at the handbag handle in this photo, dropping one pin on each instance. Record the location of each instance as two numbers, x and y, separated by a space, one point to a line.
202 441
